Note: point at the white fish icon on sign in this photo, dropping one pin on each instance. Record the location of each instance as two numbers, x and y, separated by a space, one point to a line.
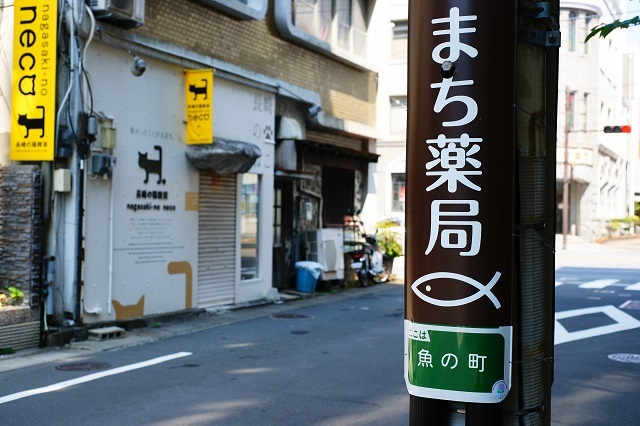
483 290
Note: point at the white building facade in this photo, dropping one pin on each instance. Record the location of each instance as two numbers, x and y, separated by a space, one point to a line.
594 92
392 113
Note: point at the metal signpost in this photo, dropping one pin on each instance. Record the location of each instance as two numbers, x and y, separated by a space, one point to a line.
460 205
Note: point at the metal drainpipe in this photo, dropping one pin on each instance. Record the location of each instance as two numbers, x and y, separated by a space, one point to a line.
79 234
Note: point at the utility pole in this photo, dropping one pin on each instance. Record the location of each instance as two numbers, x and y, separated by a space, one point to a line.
565 179
481 164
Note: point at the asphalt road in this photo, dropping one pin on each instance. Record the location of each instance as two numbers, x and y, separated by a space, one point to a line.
597 352
337 363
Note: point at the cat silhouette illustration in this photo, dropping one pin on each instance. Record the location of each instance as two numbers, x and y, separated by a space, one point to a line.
151 166
199 90
124 312
32 80
32 123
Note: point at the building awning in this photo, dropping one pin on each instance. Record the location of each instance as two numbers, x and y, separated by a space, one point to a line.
223 156
312 147
293 174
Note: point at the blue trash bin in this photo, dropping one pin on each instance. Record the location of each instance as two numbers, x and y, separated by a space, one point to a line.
307 274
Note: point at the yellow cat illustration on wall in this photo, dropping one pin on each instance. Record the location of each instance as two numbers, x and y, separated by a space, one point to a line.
124 312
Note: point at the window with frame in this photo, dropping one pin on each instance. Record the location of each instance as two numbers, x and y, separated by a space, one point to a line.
585 112
250 227
398 115
398 185
588 23
571 110
340 23
399 43
572 31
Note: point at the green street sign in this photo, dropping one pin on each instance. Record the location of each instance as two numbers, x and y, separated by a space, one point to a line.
458 363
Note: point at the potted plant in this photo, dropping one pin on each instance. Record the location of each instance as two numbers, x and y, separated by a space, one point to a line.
388 243
12 296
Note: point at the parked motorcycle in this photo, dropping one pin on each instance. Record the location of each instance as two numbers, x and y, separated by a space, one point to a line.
367 260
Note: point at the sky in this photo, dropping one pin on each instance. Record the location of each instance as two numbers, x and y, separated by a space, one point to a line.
633 36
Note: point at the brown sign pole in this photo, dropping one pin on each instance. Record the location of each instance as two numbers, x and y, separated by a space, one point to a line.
480 210
460 203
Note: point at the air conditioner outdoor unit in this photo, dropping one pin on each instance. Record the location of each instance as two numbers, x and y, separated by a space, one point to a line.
123 13
325 246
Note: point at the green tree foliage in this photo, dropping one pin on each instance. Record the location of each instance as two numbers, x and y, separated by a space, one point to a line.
605 29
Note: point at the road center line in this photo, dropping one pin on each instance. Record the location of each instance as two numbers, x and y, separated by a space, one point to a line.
91 377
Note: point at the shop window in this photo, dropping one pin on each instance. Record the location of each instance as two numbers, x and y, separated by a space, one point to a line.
240 9
398 185
277 218
250 226
334 27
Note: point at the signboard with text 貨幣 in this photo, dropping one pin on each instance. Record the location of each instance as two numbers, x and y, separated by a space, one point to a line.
199 103
459 200
33 81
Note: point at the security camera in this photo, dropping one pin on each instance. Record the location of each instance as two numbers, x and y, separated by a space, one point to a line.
139 66
314 110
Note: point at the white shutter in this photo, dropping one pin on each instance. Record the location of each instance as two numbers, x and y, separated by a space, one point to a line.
217 240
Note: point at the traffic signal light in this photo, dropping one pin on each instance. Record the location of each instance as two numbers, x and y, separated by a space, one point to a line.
617 129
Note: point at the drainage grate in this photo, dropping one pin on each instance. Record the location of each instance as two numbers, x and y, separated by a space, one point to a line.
291 316
629 358
83 366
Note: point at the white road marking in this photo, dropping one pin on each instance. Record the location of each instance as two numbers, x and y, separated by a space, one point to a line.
623 322
558 283
599 284
91 377
635 287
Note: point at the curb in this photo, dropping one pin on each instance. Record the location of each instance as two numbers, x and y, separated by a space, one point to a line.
162 327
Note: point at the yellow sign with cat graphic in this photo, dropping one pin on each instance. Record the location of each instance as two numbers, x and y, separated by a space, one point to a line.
199 97
33 82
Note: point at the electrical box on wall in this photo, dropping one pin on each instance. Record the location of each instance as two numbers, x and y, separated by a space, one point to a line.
123 13
62 180
101 165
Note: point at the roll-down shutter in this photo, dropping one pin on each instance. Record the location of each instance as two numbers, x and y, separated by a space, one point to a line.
217 240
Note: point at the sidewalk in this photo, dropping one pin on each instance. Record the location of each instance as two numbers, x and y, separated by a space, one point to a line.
213 318
621 253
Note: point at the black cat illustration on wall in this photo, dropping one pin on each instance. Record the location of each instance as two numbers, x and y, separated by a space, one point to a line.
151 166
32 123
199 90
